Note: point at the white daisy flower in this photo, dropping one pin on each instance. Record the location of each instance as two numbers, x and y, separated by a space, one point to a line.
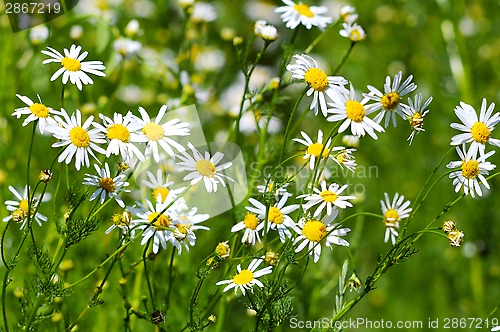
121 131
245 279
185 224
72 66
390 100
306 68
252 227
203 12
122 222
355 114
316 150
19 209
277 216
344 158
161 189
79 140
353 32
294 14
471 169
393 212
273 188
351 141
265 31
204 167
127 47
415 114
348 14
156 220
314 233
35 111
155 133
107 186
328 197
476 131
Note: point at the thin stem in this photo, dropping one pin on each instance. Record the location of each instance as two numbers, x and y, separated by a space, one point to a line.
146 273
319 37
287 130
344 59
170 277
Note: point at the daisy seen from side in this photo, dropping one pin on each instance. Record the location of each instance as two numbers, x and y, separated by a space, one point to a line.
390 100
73 68
245 279
161 188
204 167
355 114
345 158
185 223
327 196
352 31
476 131
315 151
78 139
321 85
294 14
35 112
107 185
314 233
415 113
22 208
122 222
393 212
252 226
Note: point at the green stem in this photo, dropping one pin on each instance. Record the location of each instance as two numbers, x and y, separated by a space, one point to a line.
287 130
320 36
344 59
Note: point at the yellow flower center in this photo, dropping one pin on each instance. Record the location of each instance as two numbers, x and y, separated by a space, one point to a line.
390 100
354 110
314 230
275 215
315 150
153 131
328 196
470 169
303 10
161 222
251 221
121 219
18 215
107 184
205 168
243 278
71 64
181 231
355 35
161 191
118 131
391 216
316 78
223 249
416 121
342 157
23 205
480 133
40 110
79 137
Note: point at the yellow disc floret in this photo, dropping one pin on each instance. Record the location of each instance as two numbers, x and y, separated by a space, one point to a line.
275 215
314 230
162 191
251 221
205 168
161 221
315 150
40 110
79 137
328 196
107 184
118 131
316 78
480 133
390 101
470 169
71 64
153 131
243 278
391 216
303 10
355 110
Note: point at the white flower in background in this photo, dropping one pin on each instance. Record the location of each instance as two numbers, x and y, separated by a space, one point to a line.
202 166
35 111
39 34
72 66
355 114
390 100
107 185
245 279
306 68
277 216
353 32
415 114
185 224
252 226
276 189
294 14
265 31
203 13
161 188
132 28
477 131
351 141
472 170
393 212
315 233
348 14
127 47
329 197
77 138
76 32
157 134
20 209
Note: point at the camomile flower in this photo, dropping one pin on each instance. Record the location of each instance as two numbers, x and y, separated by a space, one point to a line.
121 131
472 170
155 133
107 186
265 31
72 67
277 216
306 68
390 100
415 114
353 32
344 158
122 222
294 14
316 150
476 131
355 114
348 14
204 167
35 111
393 212
329 197
252 226
185 224
161 188
245 279
19 209
273 188
315 233
79 140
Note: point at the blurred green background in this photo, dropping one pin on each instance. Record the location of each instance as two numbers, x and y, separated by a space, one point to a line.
452 48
